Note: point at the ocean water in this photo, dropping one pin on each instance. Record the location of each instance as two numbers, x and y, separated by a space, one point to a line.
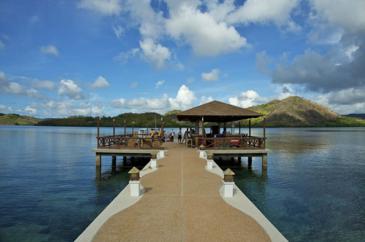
313 189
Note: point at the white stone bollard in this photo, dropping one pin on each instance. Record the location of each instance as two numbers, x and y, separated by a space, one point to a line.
161 154
228 189
134 184
228 183
210 164
135 188
202 154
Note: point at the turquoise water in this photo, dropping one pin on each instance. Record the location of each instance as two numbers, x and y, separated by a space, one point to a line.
48 189
313 189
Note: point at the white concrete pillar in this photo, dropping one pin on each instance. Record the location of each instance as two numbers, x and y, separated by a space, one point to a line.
135 188
228 189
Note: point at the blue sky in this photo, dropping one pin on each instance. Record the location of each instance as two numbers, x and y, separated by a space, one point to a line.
105 57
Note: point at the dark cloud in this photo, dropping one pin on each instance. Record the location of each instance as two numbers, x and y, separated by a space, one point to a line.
340 68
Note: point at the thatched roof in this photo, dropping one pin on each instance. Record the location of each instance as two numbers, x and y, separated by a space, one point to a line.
216 111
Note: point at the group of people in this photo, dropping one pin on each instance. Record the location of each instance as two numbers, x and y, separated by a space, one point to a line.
181 138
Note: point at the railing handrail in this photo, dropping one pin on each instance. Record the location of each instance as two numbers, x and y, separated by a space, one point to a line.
110 140
252 142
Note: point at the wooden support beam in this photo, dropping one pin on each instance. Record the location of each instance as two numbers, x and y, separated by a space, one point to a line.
98 160
264 162
114 163
113 126
249 161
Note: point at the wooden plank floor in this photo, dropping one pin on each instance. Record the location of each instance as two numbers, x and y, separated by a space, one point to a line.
181 203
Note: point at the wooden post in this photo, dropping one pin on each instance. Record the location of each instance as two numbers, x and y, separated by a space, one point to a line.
114 163
133 127
98 173
239 128
98 160
203 130
264 163
264 127
249 128
249 161
113 126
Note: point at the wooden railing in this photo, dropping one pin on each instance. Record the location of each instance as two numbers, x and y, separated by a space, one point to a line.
133 142
230 142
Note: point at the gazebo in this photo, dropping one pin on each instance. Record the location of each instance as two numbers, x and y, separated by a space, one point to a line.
217 114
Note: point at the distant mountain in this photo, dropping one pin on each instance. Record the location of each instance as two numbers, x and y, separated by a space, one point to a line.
356 115
290 112
148 119
16 119
295 111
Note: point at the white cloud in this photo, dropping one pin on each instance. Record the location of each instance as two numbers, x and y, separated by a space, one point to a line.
205 99
264 11
125 56
104 7
30 110
14 88
44 84
31 92
206 36
70 89
212 75
246 99
5 109
159 83
347 14
154 52
151 24
70 108
49 50
184 98
100 82
142 104
118 31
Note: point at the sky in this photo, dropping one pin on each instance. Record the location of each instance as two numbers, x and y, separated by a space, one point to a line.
104 57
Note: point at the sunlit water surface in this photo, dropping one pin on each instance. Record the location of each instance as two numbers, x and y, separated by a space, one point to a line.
313 189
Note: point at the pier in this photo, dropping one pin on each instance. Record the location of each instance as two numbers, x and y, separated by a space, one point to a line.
182 194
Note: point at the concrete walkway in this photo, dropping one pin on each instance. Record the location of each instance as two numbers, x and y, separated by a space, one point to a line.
181 203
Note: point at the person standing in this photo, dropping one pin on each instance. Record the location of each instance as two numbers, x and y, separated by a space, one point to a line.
179 136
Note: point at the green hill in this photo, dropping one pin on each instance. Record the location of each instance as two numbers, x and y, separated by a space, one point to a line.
16 119
148 119
290 112
299 112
